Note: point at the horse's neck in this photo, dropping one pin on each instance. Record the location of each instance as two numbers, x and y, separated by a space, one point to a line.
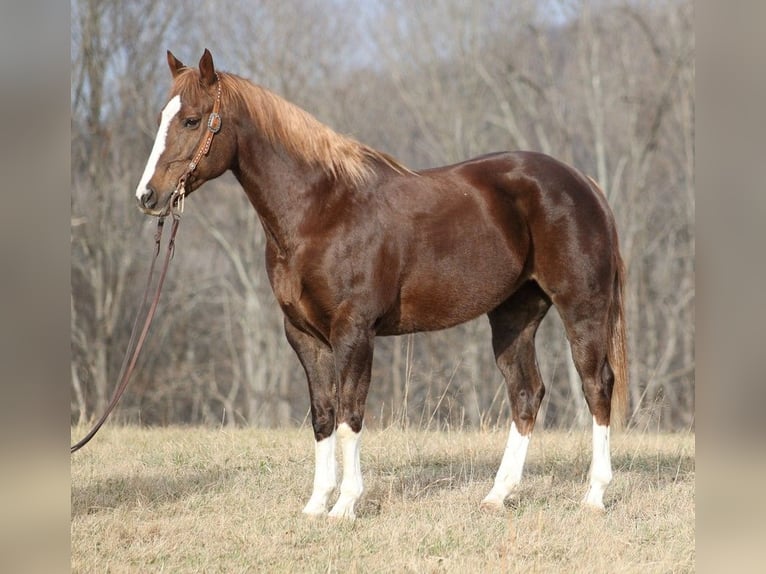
278 186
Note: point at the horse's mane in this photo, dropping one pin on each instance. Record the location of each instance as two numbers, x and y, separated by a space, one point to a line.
298 132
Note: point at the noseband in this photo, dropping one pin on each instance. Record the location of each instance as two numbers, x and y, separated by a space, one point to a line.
213 127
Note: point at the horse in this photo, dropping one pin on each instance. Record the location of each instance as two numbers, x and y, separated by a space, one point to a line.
358 246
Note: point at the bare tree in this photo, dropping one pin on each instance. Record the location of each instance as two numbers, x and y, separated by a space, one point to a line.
113 81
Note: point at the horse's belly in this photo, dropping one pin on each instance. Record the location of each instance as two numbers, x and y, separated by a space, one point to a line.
444 296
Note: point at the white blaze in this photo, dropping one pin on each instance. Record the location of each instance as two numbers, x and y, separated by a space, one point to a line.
170 111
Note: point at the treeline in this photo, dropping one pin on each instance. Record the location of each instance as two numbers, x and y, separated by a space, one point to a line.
606 86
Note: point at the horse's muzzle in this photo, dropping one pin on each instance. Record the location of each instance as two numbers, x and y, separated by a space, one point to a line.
149 204
148 200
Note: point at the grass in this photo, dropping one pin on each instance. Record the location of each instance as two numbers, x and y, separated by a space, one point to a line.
201 500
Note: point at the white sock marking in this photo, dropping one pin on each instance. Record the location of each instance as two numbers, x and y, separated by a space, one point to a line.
511 467
600 468
170 111
324 476
351 486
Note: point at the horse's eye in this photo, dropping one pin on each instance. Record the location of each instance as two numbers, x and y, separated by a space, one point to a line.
191 122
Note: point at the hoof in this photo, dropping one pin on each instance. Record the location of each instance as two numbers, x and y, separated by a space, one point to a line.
342 515
593 506
342 512
344 508
492 504
312 511
594 498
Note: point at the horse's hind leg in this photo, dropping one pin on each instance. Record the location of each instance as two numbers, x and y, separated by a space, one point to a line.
587 331
514 324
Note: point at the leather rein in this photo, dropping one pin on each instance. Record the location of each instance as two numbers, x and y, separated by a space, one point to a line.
176 207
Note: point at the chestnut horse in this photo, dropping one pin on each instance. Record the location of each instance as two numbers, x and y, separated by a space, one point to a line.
358 245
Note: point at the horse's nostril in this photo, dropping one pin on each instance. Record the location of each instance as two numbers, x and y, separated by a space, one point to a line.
148 199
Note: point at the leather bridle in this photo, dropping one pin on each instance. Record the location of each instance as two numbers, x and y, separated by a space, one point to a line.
136 341
213 127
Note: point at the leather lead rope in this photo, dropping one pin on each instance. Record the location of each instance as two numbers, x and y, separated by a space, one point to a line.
176 208
128 366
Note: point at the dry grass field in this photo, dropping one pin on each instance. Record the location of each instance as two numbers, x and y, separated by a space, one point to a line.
201 500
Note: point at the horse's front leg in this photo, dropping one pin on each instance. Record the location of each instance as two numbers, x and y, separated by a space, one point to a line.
317 360
352 343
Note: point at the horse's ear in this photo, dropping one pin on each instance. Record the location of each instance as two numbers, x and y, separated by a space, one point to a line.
206 69
175 64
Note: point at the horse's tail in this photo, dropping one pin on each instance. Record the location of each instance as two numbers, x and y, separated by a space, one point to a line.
617 353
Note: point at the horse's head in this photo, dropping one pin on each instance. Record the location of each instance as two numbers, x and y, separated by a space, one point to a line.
193 145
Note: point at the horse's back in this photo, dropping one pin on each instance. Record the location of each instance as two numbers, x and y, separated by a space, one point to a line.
561 208
529 195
